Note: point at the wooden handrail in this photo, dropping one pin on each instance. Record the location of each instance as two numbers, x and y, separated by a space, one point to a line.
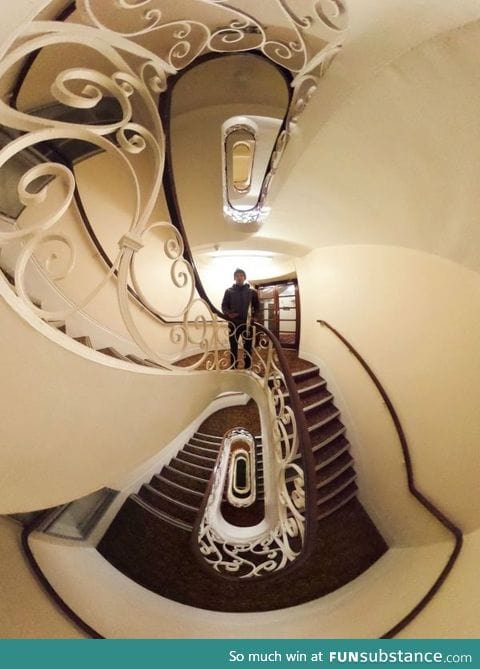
424 501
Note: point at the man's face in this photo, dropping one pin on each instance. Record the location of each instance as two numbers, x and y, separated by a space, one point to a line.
239 278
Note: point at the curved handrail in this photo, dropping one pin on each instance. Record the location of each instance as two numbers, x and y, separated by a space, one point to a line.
424 501
305 443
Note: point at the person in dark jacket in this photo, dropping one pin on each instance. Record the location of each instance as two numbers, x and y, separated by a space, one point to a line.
240 305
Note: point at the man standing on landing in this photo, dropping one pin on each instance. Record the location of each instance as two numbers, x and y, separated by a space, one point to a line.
240 305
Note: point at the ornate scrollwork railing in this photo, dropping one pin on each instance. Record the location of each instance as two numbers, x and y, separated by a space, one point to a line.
291 535
138 45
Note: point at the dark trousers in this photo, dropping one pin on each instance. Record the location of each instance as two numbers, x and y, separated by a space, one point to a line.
235 331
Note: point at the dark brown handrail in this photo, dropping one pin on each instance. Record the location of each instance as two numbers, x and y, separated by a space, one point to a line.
424 501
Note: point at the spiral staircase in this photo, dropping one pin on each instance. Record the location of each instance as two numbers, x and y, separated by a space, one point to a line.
164 533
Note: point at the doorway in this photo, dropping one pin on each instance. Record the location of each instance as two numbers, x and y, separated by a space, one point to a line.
280 310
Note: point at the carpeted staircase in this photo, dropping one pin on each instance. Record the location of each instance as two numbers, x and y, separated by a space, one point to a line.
177 491
149 540
335 474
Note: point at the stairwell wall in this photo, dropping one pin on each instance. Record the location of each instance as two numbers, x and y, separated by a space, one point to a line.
414 318
74 420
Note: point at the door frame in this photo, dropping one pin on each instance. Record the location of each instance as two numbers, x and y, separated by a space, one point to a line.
275 283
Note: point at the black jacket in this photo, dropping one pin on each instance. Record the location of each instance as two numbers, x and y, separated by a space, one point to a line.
237 300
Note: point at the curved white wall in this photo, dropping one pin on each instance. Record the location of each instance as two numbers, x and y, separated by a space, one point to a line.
415 319
394 157
73 420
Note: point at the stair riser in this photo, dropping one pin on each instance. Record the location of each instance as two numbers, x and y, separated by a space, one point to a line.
196 460
182 479
336 503
203 452
170 507
190 469
174 491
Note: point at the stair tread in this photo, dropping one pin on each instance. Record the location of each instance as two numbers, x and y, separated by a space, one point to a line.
335 486
178 476
188 468
162 495
85 340
141 361
172 507
335 503
329 472
161 514
322 416
329 431
314 400
113 353
176 491
327 454
212 455
184 457
211 446
300 373
212 437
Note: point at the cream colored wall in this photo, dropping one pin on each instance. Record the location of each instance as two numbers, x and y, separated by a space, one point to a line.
415 319
77 420
26 610
13 15
16 13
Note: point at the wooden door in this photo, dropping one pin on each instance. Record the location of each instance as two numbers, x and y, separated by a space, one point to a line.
280 310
